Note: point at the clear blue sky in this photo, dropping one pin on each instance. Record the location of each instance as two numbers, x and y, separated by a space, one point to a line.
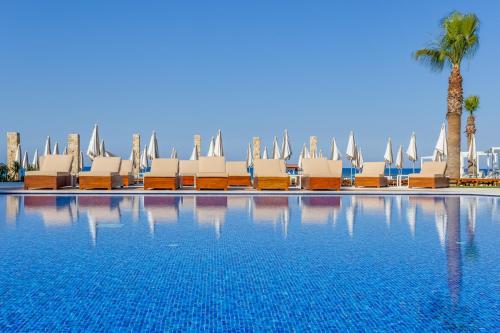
249 68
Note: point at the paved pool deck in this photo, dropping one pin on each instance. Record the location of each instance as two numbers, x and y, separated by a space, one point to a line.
17 188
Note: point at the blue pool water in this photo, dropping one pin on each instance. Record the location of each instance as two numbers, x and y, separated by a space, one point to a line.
242 263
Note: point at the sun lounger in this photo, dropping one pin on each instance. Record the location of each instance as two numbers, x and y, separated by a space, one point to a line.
54 173
104 174
371 176
320 174
212 174
431 176
126 172
163 175
187 171
270 175
238 174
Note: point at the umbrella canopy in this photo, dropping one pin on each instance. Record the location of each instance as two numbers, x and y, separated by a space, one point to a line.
194 154
276 149
335 154
249 156
65 151
441 149
173 154
153 151
412 148
17 159
350 153
218 148
320 154
131 157
81 161
25 163
47 150
144 158
303 154
102 149
93 147
34 163
388 157
399 158
264 154
286 148
211 147
55 151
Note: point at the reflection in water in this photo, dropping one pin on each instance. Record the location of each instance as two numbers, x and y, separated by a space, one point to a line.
55 211
317 210
471 250
101 211
350 215
453 254
12 208
274 210
388 210
211 211
161 209
411 216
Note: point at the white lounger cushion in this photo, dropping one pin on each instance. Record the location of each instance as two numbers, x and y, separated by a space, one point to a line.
212 167
237 168
372 169
46 173
164 167
316 167
335 168
106 164
56 163
269 168
188 167
126 167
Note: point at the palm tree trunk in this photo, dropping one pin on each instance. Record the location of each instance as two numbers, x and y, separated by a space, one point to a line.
454 116
469 130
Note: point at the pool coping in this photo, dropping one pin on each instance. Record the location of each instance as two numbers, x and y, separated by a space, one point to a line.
489 192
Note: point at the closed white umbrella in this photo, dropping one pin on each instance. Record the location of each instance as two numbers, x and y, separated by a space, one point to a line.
218 148
320 154
81 161
173 154
194 154
388 157
211 147
335 154
144 158
93 147
412 150
249 156
471 155
264 154
25 162
359 158
399 158
65 151
276 149
303 154
286 148
17 158
55 151
102 149
131 156
351 153
153 151
47 150
34 163
441 149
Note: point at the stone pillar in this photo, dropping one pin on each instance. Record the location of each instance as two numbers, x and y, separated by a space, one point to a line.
74 150
313 146
197 143
256 147
13 141
136 149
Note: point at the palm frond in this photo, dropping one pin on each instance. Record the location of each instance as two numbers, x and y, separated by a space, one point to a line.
471 103
433 57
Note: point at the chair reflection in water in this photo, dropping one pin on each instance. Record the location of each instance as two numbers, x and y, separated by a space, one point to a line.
161 209
102 211
430 206
271 210
211 211
56 211
318 210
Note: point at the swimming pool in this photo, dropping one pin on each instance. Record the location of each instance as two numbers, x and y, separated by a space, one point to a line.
249 263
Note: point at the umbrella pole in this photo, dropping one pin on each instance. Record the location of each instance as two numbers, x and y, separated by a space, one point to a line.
351 174
413 166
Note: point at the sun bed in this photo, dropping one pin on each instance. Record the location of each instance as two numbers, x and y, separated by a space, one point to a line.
163 175
237 174
431 176
187 171
270 175
104 174
126 172
371 176
54 173
320 174
212 174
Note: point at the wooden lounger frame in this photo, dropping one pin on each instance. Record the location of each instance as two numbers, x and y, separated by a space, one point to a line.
211 183
428 182
271 183
52 182
370 181
187 180
321 183
99 182
128 180
239 181
161 183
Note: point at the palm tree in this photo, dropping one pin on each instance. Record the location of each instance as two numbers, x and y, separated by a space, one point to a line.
471 104
459 40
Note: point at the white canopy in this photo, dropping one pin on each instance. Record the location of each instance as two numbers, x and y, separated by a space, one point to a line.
412 148
276 150
218 148
211 148
17 159
264 154
81 161
93 148
174 153
144 158
441 149
399 158
303 154
102 149
286 148
25 162
153 151
320 154
350 153
34 163
388 157
55 151
249 156
194 154
47 150
335 153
